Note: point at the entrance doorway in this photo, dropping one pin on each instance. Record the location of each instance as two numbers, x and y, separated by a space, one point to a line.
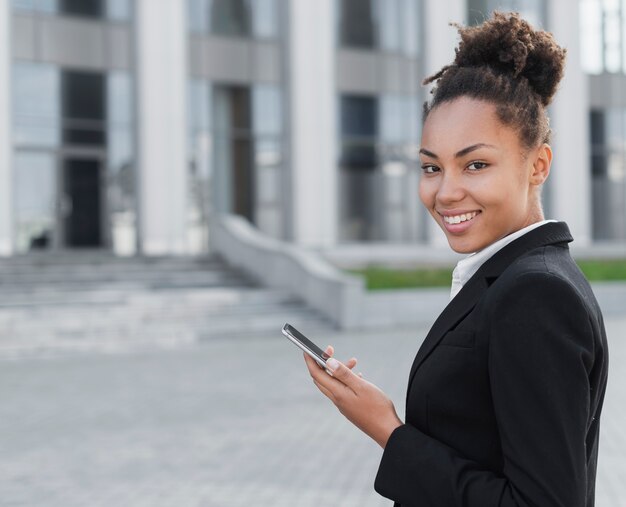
82 203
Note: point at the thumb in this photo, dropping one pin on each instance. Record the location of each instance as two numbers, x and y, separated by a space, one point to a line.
341 372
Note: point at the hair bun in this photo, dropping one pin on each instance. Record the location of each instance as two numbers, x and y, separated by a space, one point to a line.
509 45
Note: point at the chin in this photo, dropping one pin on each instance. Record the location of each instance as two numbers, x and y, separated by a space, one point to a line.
461 247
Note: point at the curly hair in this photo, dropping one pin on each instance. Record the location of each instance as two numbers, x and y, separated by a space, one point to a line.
506 62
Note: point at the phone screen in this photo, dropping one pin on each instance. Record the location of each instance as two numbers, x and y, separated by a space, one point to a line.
305 344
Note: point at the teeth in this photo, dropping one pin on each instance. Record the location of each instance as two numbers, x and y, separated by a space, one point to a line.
457 219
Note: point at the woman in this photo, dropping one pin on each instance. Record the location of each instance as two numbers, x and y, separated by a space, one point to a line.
505 393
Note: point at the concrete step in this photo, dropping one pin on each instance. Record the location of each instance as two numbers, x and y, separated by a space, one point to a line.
100 304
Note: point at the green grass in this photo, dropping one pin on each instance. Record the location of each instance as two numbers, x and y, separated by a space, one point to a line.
378 278
604 270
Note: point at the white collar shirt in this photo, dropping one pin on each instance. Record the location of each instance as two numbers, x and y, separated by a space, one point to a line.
467 267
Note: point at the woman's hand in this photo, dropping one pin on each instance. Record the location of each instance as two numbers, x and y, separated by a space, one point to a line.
361 402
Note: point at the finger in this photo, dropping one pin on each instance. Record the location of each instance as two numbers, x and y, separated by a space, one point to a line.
312 365
342 373
321 376
351 363
330 350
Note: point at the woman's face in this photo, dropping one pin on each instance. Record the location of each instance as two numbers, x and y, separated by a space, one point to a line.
478 181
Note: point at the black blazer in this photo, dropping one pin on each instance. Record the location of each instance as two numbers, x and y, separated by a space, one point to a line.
505 394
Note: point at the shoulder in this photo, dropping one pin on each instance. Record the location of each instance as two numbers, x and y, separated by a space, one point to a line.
544 271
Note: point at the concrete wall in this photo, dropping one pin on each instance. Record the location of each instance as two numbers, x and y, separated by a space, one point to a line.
571 176
6 180
312 123
161 37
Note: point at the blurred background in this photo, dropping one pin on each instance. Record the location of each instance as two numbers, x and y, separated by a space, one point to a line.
178 178
128 124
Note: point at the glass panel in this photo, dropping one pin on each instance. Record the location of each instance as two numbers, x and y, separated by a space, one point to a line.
35 193
265 18
199 105
198 15
36 91
612 36
84 106
267 110
86 8
357 26
410 24
608 167
390 24
230 17
534 11
119 10
591 33
120 159
394 119
23 5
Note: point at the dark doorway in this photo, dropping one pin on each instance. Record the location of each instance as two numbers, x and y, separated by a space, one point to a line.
87 8
235 148
82 222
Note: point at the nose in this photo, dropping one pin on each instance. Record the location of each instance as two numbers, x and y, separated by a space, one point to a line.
451 189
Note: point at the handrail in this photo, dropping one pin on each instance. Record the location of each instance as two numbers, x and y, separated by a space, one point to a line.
304 273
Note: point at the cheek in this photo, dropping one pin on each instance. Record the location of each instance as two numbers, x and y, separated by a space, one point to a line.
427 191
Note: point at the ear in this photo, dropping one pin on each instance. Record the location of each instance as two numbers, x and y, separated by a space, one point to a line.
541 165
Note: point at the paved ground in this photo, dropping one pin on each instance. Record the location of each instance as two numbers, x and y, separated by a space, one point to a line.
218 424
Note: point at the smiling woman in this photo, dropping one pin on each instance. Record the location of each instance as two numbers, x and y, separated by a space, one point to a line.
480 183
505 393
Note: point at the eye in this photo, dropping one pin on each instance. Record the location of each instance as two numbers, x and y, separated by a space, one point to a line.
477 166
430 169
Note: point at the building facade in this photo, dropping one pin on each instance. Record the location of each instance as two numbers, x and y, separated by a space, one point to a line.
131 123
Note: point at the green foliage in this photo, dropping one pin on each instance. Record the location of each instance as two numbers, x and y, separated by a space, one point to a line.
596 270
378 278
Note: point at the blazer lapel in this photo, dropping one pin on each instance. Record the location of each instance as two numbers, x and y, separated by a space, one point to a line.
457 309
472 291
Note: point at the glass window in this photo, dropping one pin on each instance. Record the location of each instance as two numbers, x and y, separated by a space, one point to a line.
357 26
390 24
379 147
241 18
118 10
230 17
603 36
267 110
359 130
591 40
199 105
534 11
198 15
265 18
84 107
87 8
35 192
48 6
608 169
36 107
410 24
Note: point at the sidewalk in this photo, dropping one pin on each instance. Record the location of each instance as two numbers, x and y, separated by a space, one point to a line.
224 423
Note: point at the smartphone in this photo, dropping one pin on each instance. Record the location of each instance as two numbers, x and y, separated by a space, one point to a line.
306 345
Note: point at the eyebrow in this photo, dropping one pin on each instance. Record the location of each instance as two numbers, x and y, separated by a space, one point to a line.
460 153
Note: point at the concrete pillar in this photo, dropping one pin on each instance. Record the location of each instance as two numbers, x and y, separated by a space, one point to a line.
440 39
312 121
571 174
6 180
161 71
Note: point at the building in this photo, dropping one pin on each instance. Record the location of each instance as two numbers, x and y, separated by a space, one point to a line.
132 122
